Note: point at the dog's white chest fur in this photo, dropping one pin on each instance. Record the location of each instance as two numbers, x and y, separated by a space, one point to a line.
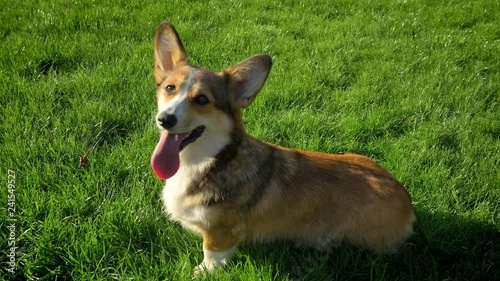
176 201
196 159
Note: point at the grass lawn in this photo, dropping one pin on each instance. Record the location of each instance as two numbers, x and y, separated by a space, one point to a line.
413 84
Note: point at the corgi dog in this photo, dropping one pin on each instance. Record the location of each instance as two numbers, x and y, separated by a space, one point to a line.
230 187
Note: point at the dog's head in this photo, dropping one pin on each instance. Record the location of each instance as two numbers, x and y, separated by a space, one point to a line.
194 101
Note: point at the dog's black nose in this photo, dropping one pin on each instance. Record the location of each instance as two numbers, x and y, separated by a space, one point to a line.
167 121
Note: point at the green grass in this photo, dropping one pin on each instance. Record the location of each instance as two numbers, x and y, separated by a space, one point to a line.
413 84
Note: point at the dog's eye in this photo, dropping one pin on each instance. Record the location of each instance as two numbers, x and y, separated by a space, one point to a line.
201 100
170 89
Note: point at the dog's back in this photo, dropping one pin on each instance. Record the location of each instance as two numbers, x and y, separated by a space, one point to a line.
271 192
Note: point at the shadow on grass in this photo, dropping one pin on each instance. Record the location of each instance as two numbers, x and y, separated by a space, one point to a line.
444 247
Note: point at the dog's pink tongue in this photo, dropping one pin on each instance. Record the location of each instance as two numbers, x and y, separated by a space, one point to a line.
165 158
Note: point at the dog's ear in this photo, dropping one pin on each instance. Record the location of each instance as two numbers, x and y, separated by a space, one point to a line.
246 78
169 51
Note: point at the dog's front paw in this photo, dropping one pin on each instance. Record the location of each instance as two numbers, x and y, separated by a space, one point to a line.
203 269
212 260
198 271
